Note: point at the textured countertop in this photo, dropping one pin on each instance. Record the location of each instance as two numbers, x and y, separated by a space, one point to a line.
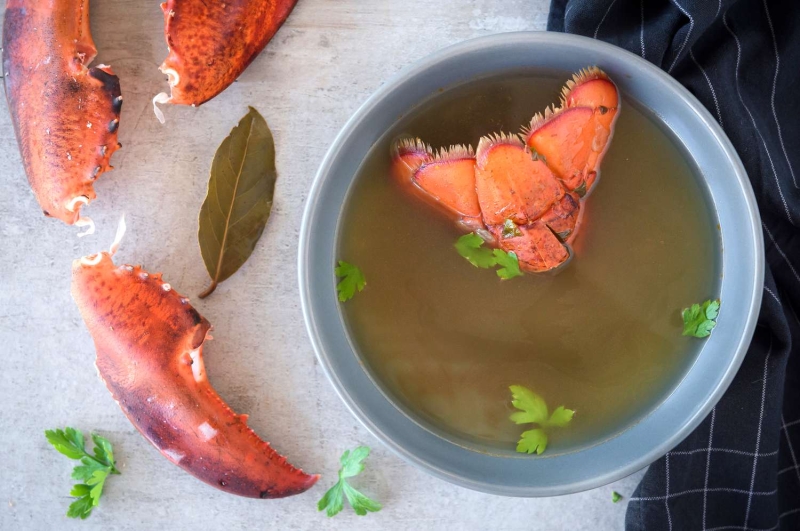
322 65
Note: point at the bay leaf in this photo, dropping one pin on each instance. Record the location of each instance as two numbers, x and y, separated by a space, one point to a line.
239 198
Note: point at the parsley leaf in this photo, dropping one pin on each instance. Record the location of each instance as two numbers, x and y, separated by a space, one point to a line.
352 280
93 470
82 506
68 441
533 406
560 417
615 496
509 262
360 503
470 246
532 441
333 501
700 319
533 410
102 450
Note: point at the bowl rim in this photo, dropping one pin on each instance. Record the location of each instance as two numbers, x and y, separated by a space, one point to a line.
713 129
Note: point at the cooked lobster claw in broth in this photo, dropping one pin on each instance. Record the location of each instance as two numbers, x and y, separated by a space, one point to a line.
65 115
574 137
523 197
445 179
149 343
212 43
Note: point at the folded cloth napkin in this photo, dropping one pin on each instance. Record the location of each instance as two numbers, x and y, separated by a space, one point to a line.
741 58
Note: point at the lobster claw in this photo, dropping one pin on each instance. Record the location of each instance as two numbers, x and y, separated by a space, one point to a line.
149 343
211 44
574 137
65 115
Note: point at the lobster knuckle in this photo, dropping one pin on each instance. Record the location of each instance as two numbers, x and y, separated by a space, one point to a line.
149 342
212 43
65 115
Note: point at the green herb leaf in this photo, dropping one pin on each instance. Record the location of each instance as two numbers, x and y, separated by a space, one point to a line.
352 280
615 496
333 501
353 462
360 503
532 441
711 309
533 406
69 442
509 263
82 507
93 470
700 319
97 483
560 417
470 246
103 451
86 471
533 410
239 198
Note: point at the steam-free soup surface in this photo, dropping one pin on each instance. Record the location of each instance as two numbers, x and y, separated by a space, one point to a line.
445 339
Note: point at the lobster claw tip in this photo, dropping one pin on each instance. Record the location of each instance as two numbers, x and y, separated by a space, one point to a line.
212 43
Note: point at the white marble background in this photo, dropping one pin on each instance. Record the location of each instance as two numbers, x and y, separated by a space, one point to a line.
321 66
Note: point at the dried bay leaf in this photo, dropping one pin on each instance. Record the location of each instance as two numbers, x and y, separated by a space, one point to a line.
239 198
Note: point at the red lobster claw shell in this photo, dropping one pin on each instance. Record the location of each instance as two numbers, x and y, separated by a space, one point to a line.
65 114
211 43
149 343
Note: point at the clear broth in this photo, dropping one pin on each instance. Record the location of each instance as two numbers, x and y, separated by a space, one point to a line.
444 340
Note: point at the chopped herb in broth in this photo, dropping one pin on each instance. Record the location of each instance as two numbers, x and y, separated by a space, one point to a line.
471 247
352 280
533 410
445 339
700 319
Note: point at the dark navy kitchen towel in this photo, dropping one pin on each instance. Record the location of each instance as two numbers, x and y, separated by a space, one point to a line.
741 58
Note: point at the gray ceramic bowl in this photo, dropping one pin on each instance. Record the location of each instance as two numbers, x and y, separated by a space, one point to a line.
665 426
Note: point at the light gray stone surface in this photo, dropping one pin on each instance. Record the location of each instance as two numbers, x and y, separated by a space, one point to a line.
321 66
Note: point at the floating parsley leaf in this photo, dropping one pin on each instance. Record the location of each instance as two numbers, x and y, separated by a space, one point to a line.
333 500
352 280
533 410
615 496
470 246
532 441
509 263
533 406
93 470
700 319
560 417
